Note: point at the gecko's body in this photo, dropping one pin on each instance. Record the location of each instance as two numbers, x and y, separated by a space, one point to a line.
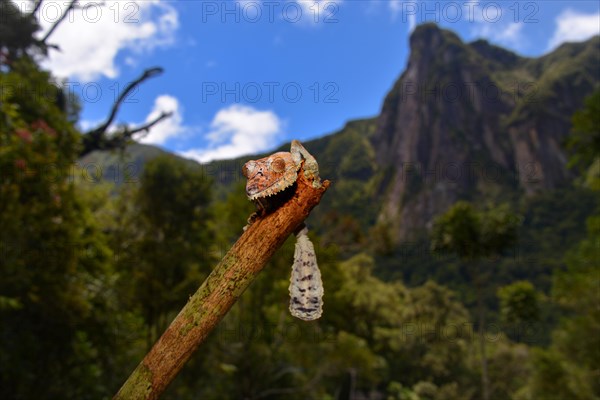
268 177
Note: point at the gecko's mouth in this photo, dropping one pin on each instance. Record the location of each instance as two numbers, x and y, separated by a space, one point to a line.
254 192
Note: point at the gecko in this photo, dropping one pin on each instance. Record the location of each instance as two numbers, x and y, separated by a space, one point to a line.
267 178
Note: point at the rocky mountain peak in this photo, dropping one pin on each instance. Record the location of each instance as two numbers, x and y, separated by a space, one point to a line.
503 57
458 125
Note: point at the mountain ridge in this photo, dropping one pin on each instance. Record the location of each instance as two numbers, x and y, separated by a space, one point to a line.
453 117
467 121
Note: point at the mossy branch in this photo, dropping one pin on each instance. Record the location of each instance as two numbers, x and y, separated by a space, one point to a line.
218 293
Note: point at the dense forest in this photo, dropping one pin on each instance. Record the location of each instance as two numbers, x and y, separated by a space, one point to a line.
469 289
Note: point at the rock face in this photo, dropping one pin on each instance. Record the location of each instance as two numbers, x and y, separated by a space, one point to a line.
466 121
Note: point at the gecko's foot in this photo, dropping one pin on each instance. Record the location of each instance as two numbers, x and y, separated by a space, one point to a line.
251 220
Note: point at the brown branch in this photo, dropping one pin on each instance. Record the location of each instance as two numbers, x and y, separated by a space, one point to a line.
218 293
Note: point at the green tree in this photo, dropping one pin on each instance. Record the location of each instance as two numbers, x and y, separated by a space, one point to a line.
55 307
519 304
17 32
509 366
584 140
474 235
570 367
169 237
577 289
549 379
428 345
421 334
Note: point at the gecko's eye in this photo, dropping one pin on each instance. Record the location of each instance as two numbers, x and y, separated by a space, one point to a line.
248 169
278 165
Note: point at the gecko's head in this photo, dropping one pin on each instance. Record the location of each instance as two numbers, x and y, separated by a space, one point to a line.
270 175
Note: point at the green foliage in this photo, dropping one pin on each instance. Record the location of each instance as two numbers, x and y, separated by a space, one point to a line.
429 339
353 172
585 137
584 141
172 195
555 379
16 32
509 366
56 317
233 214
572 65
458 230
422 334
372 333
519 302
576 343
471 234
570 367
169 251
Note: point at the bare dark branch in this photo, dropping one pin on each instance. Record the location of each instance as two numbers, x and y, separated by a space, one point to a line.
119 139
72 5
98 138
37 6
149 73
146 127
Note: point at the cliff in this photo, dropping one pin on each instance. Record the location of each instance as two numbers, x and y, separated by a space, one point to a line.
474 121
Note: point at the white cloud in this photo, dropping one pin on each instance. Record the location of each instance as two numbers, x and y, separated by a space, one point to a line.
511 33
319 11
238 130
412 22
305 12
572 26
85 125
508 35
92 36
132 62
167 128
489 24
395 7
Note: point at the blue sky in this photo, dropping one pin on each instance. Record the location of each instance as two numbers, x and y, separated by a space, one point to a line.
244 77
